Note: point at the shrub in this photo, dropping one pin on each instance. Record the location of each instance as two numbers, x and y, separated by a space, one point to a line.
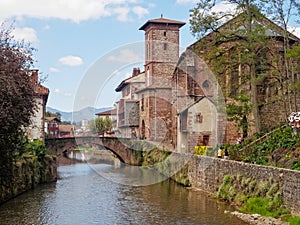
37 148
295 165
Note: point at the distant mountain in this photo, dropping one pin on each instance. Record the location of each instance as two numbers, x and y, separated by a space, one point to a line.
77 116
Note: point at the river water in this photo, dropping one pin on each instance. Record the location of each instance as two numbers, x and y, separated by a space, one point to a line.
82 196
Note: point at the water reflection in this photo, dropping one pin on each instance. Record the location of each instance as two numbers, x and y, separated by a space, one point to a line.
82 196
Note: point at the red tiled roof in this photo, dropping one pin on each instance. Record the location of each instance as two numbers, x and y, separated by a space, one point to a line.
50 118
65 127
107 112
41 90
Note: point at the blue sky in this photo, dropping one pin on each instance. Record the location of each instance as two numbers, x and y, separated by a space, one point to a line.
73 37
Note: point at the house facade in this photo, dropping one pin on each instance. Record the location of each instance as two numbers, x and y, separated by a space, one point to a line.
66 130
128 106
52 127
37 127
198 105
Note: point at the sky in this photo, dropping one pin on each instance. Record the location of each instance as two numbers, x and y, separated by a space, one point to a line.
85 48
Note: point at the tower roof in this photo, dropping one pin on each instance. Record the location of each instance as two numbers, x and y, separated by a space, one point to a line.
162 21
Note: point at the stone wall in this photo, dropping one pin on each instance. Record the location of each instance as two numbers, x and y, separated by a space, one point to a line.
207 173
28 172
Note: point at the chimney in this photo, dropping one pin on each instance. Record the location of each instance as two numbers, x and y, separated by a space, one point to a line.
34 77
136 71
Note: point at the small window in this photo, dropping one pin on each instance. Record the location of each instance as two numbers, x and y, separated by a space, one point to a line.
165 33
199 118
142 105
205 140
206 84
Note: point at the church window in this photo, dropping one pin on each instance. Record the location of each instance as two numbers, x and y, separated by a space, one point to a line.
206 84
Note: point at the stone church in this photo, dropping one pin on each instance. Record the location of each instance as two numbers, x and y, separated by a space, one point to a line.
180 100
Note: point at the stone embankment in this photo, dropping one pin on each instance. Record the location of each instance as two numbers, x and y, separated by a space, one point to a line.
28 172
207 174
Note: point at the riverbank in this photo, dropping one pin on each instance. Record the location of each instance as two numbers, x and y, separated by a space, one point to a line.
232 181
28 171
256 219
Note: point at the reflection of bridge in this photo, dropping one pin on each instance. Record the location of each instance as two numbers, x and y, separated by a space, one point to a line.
127 150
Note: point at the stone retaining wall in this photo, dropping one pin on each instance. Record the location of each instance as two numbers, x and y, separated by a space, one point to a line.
27 174
207 173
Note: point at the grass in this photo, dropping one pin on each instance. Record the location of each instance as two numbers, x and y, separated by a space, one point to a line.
293 220
264 207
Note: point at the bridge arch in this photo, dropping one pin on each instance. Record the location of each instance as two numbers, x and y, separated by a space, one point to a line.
127 150
111 150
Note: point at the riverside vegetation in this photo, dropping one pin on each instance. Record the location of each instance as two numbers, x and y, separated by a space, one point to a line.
281 149
30 168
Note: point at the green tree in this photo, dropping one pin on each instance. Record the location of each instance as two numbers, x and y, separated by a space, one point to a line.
238 52
239 111
50 114
100 125
285 12
294 55
16 98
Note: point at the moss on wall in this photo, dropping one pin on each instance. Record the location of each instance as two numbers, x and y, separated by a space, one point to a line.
168 163
239 188
28 172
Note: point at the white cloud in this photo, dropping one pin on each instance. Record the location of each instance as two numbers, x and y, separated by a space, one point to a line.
140 11
71 60
54 70
224 6
125 56
76 10
56 90
122 13
26 33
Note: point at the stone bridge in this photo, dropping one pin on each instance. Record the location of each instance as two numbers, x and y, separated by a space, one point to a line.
128 150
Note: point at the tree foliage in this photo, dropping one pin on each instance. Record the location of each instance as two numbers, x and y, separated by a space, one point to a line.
239 112
17 96
51 114
242 53
100 125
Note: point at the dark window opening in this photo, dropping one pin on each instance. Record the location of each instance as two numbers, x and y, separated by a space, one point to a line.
205 140
199 118
165 46
142 103
206 84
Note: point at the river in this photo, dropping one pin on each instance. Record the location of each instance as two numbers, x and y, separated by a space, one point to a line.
83 196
